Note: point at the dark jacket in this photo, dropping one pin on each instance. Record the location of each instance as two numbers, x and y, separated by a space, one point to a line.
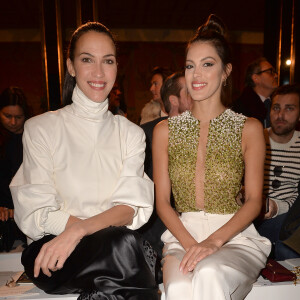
148 129
250 105
11 158
290 230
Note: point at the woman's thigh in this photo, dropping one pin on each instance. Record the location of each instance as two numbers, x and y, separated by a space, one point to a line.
109 260
228 273
177 285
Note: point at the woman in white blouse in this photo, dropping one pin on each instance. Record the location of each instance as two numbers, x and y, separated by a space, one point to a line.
81 187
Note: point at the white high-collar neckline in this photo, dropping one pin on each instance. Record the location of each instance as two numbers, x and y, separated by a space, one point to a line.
85 108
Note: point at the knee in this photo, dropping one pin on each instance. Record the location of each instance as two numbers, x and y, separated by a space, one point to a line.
208 272
178 290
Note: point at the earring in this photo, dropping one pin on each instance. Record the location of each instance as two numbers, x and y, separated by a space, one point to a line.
225 83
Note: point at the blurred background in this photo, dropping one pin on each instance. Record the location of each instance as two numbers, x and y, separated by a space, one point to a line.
34 36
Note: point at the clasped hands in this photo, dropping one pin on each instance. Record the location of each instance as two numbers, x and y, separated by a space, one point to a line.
196 253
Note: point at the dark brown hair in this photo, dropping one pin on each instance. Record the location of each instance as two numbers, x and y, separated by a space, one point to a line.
171 86
253 68
213 31
162 71
287 89
14 96
70 81
11 96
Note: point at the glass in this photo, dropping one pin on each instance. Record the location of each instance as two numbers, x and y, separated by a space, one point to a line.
271 71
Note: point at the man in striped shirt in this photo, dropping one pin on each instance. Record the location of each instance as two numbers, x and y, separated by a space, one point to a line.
282 164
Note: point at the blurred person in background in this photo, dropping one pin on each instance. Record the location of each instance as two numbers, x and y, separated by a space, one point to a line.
261 80
116 101
13 113
176 100
159 75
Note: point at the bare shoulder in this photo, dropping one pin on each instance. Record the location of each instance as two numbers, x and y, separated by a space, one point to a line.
253 128
161 129
253 136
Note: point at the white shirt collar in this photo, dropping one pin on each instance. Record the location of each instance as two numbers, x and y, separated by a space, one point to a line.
85 108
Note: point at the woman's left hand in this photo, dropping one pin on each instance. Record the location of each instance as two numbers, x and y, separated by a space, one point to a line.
6 213
196 253
53 254
273 209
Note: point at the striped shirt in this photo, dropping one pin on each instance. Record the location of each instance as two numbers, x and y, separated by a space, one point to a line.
281 184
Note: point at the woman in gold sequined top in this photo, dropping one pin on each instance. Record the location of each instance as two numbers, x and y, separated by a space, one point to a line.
212 250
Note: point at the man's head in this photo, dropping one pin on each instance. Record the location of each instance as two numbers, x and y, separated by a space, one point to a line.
159 74
174 95
115 96
262 77
285 111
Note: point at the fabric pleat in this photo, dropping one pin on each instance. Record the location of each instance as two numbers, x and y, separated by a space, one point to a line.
109 264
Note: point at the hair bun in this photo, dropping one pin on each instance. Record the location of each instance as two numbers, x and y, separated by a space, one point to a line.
213 24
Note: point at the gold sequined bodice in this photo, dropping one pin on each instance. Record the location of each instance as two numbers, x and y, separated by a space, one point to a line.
224 165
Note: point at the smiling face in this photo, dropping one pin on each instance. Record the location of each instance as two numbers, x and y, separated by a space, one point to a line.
204 72
12 118
94 65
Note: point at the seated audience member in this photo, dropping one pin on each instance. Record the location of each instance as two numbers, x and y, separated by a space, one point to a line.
176 100
159 75
282 164
151 111
116 101
175 96
13 113
81 190
288 245
260 81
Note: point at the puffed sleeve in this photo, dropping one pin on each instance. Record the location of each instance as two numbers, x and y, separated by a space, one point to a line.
134 188
37 209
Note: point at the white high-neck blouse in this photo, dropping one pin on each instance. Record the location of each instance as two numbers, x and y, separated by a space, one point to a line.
79 160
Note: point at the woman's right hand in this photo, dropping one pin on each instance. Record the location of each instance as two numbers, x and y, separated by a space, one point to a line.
197 252
53 254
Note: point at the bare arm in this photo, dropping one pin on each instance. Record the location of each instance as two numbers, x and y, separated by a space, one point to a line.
54 253
163 186
254 154
119 215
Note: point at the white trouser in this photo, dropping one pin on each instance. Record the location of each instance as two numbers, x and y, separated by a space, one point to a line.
227 274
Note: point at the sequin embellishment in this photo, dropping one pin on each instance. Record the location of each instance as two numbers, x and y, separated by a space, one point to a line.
224 165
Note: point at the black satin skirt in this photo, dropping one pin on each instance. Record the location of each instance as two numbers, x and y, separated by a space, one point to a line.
113 263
